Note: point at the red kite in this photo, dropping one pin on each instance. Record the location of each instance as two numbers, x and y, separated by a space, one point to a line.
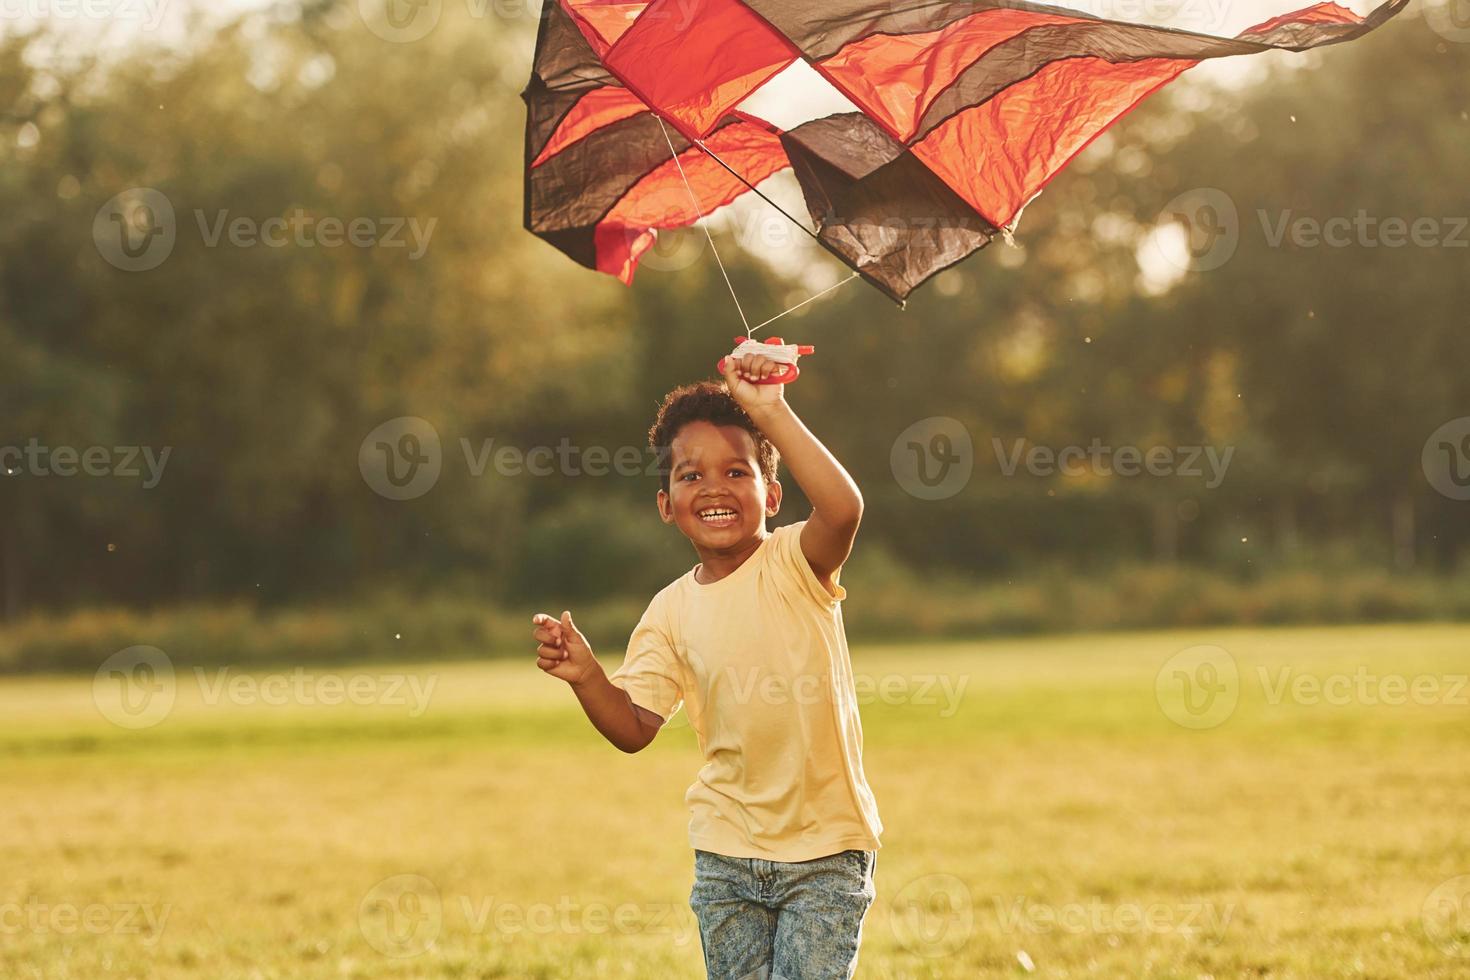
967 109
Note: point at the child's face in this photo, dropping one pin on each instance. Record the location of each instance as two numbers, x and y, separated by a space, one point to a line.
717 495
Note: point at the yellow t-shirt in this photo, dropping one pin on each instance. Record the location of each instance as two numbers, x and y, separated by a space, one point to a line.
759 661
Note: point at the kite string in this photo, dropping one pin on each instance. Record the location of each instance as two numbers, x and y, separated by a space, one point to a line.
842 282
813 235
694 199
703 224
738 176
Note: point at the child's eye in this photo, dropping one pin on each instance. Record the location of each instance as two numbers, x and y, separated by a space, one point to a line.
737 471
689 476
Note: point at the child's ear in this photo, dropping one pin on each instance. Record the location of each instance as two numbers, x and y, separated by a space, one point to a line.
773 498
665 507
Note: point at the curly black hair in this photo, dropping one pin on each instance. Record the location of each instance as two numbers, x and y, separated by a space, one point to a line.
706 401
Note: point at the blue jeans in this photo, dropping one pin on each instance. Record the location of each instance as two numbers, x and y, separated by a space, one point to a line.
773 920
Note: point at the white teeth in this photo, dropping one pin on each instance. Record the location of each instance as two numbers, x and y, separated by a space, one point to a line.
716 514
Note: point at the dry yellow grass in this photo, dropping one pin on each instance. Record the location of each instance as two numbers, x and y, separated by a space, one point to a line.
1053 816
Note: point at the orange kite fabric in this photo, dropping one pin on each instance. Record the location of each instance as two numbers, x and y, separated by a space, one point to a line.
966 110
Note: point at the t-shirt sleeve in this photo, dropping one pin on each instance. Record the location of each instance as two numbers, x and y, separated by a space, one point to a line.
650 671
787 556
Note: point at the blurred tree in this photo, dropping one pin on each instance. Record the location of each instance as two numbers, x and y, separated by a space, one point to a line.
262 367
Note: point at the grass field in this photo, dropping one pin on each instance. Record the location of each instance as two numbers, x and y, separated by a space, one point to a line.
1061 807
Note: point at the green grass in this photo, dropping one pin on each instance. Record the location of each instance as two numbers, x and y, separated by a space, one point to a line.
1292 840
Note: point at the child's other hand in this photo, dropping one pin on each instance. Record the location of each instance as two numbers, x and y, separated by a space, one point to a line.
741 373
563 651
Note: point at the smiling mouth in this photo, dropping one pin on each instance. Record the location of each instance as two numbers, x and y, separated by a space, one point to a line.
717 516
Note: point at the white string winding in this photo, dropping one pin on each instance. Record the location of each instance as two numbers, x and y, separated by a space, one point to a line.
780 353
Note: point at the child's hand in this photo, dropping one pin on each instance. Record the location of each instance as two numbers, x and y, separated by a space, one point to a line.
563 651
741 373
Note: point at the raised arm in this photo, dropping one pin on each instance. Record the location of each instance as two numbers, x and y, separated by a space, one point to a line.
563 652
837 506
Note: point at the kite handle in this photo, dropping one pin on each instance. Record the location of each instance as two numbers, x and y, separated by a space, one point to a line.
789 373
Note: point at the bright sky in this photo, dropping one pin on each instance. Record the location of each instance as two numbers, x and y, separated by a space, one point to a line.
118 20
792 98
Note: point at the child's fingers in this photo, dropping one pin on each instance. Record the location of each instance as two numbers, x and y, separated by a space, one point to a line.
556 654
545 664
548 629
750 368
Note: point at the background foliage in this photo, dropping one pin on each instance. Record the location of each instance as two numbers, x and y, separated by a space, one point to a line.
263 369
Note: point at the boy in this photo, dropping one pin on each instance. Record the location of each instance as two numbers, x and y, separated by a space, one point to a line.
750 641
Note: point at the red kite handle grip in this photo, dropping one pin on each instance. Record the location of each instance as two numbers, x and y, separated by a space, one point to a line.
787 374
